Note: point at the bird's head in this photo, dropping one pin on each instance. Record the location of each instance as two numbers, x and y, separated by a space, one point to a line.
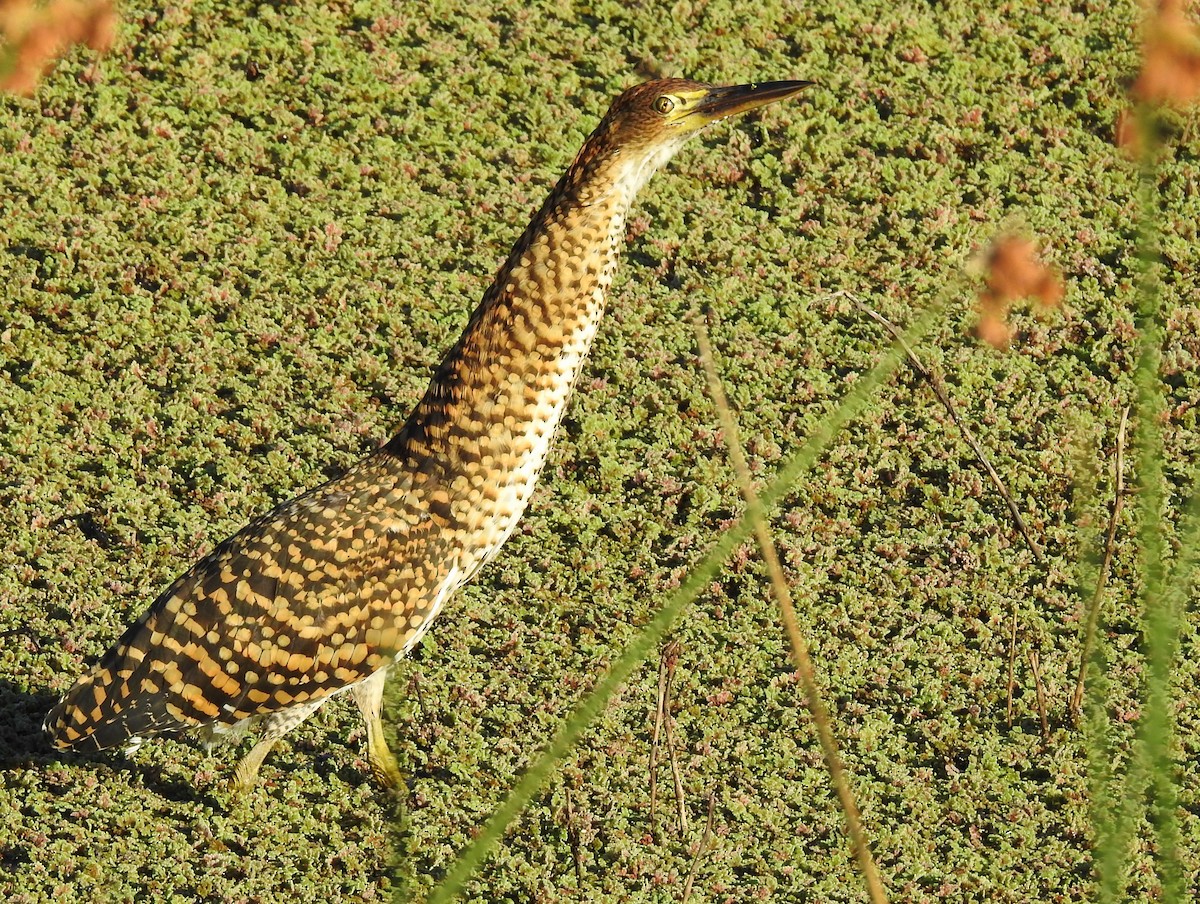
648 123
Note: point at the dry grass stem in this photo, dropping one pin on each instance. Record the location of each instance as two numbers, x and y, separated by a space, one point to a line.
1110 544
1001 488
573 837
416 687
654 739
708 827
664 729
1012 664
671 657
803 661
940 391
1035 665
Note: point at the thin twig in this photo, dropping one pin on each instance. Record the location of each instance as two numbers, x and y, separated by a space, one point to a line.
671 657
1110 544
1012 662
13 632
940 391
708 826
821 719
1035 664
573 837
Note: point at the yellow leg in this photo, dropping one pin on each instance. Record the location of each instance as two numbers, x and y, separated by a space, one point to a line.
368 694
246 775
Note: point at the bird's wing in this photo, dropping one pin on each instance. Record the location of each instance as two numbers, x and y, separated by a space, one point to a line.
305 600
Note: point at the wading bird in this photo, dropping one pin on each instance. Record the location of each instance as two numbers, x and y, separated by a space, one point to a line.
323 593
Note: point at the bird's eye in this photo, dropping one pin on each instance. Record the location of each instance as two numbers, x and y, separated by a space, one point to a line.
664 105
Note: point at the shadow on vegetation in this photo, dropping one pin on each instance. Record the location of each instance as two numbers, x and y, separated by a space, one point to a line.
23 744
21 738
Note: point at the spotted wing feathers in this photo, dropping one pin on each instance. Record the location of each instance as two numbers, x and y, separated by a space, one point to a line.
308 599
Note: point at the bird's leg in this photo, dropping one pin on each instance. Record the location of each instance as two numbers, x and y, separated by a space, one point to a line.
246 775
368 694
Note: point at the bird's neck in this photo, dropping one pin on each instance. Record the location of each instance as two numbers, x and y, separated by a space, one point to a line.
499 394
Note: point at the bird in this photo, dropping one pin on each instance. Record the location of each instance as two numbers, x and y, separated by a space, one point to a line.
322 594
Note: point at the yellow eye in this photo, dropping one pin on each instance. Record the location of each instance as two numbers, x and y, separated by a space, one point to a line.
664 105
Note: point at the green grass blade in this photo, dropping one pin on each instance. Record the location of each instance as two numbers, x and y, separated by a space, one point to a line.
1177 584
1160 625
651 635
1151 767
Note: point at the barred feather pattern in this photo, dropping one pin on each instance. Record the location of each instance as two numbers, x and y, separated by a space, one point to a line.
334 585
329 588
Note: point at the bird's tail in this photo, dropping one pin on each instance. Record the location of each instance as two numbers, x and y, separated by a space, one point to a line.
110 706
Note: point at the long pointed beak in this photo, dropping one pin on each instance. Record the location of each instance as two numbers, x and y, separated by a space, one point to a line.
722 102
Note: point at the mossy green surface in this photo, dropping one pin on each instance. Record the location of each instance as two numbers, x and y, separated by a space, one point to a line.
231 252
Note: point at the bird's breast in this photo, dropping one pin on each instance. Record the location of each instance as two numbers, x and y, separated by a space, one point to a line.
525 439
